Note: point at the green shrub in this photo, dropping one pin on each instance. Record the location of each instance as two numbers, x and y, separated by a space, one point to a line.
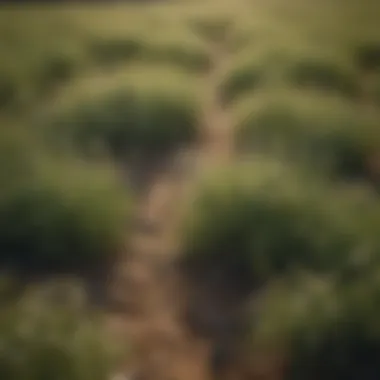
315 73
8 91
112 51
262 220
183 56
239 82
322 131
367 57
43 338
329 330
58 213
132 121
54 69
215 29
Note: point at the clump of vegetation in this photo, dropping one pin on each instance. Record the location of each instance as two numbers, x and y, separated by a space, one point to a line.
323 131
215 29
7 91
138 122
182 55
56 68
321 74
260 221
48 334
242 80
112 51
367 57
58 213
328 329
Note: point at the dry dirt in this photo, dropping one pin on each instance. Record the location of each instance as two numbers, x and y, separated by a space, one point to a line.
146 283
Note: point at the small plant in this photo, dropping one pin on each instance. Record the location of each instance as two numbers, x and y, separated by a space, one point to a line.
113 51
367 57
138 125
323 75
55 69
321 132
239 82
8 91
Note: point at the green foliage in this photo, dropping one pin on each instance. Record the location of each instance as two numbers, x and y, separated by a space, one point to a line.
43 338
330 330
325 132
129 121
7 91
112 51
263 220
181 55
321 74
57 67
367 57
58 213
215 29
241 80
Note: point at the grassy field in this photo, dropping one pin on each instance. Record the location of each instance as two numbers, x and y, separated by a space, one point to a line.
89 92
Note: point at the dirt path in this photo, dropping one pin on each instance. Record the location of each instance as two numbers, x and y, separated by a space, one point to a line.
147 283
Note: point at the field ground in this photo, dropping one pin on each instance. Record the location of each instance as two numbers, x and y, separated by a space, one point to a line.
203 85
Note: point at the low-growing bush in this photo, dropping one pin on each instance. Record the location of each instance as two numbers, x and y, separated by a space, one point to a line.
253 68
328 330
367 57
134 123
44 337
189 58
54 69
8 91
214 29
112 51
239 82
320 74
320 131
260 221
59 214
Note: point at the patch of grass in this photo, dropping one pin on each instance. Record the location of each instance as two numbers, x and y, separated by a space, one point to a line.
214 29
255 222
328 330
323 131
323 74
8 91
241 81
58 214
146 119
175 46
113 51
47 338
367 57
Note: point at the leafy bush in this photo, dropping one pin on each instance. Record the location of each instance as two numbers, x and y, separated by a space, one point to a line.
323 131
239 82
112 51
58 213
329 330
261 220
367 57
214 29
7 91
138 120
181 55
316 73
44 338
54 69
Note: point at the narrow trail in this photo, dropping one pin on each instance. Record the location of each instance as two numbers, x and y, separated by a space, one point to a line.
147 283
